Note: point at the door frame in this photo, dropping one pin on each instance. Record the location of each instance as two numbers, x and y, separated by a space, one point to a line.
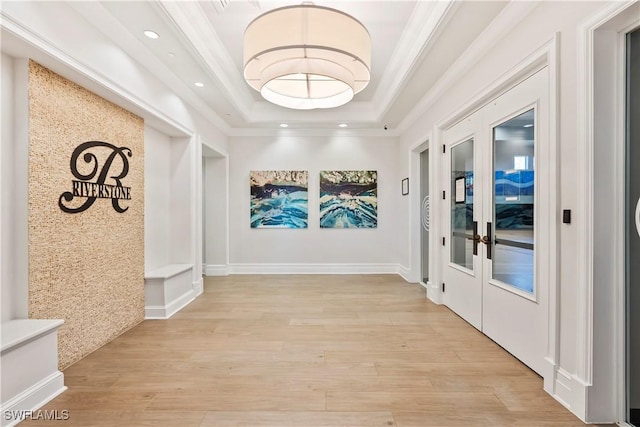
545 56
415 225
601 65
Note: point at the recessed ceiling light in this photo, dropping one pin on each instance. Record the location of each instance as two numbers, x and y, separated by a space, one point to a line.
343 125
284 125
528 125
151 34
199 84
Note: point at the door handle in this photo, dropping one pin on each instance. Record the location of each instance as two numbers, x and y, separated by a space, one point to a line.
476 238
638 217
488 240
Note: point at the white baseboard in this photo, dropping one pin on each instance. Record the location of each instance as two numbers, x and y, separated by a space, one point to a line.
405 273
570 391
433 293
216 270
198 288
33 398
314 269
166 311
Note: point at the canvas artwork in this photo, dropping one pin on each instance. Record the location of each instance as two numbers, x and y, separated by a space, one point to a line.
348 199
279 199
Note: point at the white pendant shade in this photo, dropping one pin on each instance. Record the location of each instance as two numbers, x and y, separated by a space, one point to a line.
307 56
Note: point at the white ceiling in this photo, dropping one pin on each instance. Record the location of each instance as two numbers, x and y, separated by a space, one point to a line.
414 43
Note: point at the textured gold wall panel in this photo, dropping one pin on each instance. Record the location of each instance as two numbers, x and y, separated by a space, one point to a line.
86 268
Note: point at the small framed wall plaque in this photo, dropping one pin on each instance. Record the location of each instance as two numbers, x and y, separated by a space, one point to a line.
405 186
460 190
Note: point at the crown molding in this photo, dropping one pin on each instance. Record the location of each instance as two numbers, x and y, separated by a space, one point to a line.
92 79
507 19
191 22
310 132
98 16
418 37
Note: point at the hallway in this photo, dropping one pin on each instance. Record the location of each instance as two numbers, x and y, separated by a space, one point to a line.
343 350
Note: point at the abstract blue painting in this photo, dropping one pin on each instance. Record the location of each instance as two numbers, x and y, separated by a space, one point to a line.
279 199
348 199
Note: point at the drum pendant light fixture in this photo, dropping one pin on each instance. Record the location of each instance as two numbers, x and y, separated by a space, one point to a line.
307 56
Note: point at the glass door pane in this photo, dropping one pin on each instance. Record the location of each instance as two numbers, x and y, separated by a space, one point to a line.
513 201
424 214
462 231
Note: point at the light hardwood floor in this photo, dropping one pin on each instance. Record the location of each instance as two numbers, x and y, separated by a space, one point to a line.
343 350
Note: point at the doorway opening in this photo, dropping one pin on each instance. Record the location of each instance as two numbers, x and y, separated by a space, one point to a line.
424 216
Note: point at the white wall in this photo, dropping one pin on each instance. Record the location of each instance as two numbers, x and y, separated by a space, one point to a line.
314 245
181 210
215 223
547 19
157 197
6 183
169 200
14 153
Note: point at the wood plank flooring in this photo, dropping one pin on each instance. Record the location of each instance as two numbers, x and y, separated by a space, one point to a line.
305 351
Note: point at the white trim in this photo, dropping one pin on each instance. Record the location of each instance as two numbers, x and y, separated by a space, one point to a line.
198 288
433 293
227 217
136 103
510 16
405 273
619 300
197 236
193 24
415 227
18 332
216 270
34 397
419 36
604 20
309 132
553 339
173 287
315 268
569 390
386 268
525 68
167 271
166 311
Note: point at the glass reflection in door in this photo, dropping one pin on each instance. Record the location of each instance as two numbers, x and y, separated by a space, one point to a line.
513 202
462 231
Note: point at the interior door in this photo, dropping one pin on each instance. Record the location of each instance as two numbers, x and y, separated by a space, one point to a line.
462 284
515 302
495 226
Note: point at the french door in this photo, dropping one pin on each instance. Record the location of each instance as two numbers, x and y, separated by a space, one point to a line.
497 219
